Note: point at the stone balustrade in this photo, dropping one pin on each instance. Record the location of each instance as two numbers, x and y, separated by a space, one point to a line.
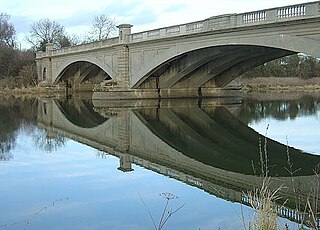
227 21
282 211
82 47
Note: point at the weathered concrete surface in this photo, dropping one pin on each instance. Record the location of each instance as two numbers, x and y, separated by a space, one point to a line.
183 58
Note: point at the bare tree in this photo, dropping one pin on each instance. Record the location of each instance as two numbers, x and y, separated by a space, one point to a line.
45 31
69 40
7 30
102 27
8 57
45 142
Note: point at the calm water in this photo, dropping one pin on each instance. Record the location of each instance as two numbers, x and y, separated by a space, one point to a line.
79 164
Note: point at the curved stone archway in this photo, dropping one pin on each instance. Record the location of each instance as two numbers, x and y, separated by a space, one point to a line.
58 72
80 113
270 47
81 76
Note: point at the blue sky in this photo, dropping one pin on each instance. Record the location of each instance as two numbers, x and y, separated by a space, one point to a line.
77 15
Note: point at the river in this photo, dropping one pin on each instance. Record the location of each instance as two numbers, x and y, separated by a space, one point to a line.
81 164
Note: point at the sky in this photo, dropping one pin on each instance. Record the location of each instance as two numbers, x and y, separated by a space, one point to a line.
77 15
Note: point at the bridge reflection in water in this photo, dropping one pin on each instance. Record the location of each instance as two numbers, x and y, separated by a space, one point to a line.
201 143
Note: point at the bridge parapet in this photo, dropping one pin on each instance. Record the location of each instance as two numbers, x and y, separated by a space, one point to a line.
274 15
279 14
83 47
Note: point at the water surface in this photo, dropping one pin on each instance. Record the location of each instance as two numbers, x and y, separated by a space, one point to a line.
78 164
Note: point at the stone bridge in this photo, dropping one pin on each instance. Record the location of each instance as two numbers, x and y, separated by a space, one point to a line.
205 145
189 60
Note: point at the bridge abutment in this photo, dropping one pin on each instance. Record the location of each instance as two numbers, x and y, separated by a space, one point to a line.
44 66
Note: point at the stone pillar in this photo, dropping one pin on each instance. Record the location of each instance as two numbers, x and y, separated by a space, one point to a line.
125 163
39 68
123 67
123 62
124 33
44 65
124 141
49 48
233 20
45 115
124 131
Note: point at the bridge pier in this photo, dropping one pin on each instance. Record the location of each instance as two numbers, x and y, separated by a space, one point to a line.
123 68
125 163
123 59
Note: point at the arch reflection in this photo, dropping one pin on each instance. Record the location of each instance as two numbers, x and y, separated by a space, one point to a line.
202 144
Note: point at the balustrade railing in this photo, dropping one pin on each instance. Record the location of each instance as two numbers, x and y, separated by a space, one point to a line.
153 33
282 211
234 20
254 17
173 30
86 46
195 26
293 11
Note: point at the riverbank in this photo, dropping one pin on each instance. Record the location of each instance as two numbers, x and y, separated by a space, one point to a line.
271 84
25 91
250 86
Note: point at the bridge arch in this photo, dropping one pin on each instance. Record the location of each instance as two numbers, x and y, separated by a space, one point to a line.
275 45
58 72
216 137
80 113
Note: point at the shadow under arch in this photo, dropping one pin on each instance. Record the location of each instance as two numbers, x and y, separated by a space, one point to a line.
213 66
80 113
60 70
80 72
219 139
